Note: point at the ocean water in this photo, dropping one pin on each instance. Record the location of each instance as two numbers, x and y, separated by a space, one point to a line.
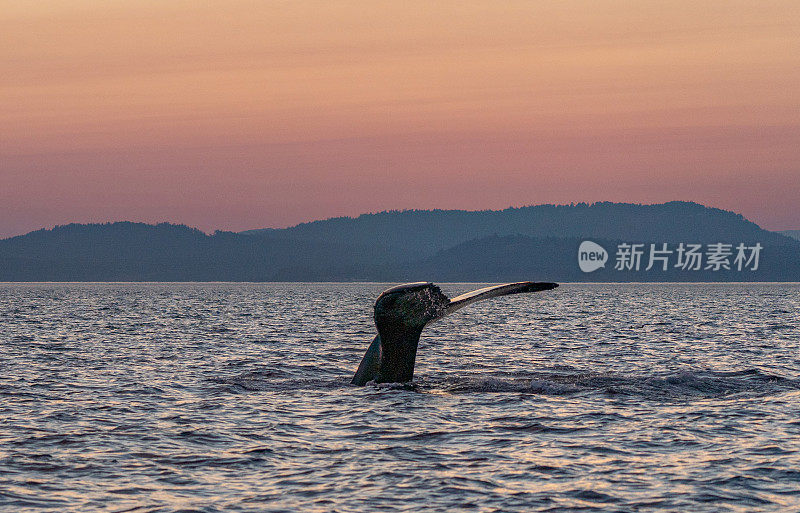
236 397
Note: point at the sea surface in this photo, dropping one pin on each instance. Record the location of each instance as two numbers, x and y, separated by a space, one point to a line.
236 397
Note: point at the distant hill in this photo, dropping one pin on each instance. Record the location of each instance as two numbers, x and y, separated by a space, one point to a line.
411 234
165 252
795 234
538 242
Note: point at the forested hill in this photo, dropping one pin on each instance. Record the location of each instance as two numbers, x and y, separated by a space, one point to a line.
537 242
423 232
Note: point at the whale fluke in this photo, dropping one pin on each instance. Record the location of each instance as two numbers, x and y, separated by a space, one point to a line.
403 311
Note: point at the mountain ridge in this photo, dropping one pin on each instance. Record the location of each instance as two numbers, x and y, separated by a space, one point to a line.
390 246
424 232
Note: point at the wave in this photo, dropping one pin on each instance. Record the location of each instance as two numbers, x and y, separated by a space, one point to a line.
666 385
562 382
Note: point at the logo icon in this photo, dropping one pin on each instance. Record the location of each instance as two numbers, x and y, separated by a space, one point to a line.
591 256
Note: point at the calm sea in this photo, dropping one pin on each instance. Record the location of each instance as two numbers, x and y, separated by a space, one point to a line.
236 397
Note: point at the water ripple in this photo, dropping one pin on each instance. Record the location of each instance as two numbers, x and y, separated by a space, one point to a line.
236 397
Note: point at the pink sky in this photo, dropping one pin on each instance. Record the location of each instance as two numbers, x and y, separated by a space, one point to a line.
237 115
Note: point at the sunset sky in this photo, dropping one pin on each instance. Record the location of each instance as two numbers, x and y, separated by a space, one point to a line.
236 115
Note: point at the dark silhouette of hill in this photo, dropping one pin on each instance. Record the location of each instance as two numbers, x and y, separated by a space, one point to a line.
538 242
413 234
165 252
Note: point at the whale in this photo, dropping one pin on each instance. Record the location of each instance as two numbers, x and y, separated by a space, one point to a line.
403 311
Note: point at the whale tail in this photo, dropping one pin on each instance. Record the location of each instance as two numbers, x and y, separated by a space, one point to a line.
402 312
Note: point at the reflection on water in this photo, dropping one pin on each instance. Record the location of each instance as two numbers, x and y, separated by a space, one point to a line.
236 397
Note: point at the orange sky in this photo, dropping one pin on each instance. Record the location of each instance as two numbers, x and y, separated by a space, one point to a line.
236 115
